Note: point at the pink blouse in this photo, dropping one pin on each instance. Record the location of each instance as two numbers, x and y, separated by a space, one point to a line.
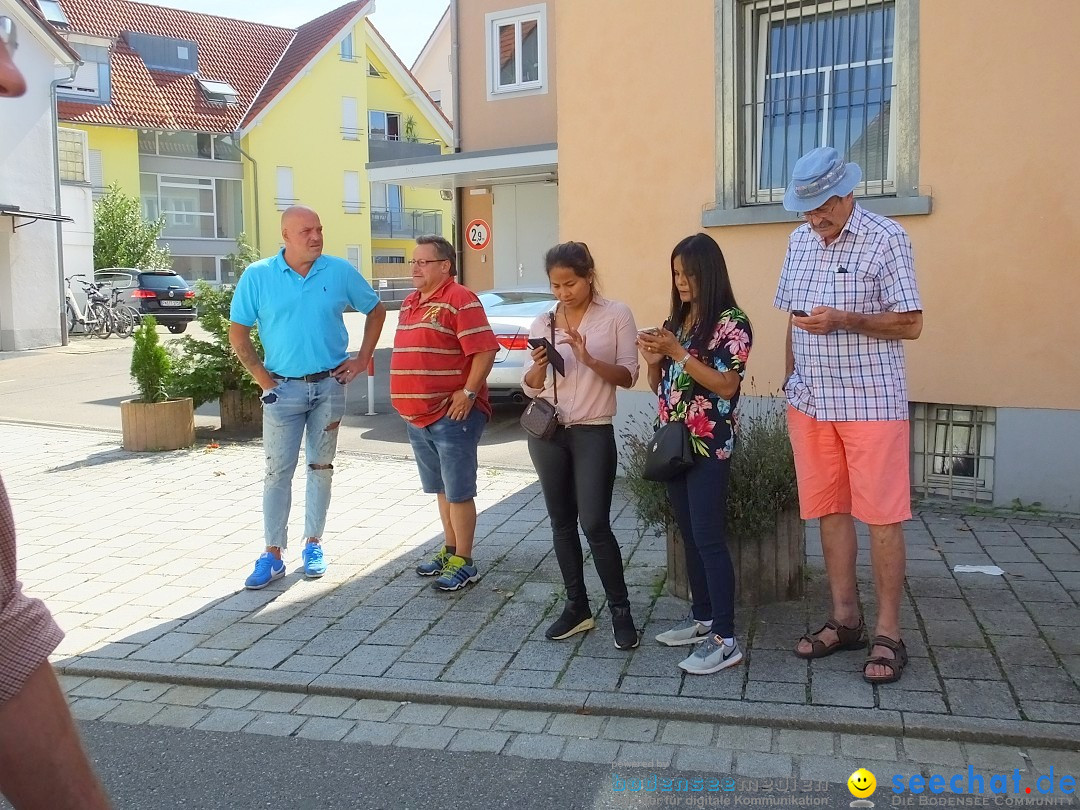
611 336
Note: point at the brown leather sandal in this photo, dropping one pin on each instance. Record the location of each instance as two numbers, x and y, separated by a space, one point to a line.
895 664
847 638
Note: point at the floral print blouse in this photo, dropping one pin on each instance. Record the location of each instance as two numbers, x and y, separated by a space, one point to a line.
709 417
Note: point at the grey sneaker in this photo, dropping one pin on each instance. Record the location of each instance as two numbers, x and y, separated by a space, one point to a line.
688 631
712 656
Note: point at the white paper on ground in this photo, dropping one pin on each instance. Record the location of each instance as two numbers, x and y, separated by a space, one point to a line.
993 570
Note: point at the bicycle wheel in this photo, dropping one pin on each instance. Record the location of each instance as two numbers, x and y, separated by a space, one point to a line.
98 320
123 323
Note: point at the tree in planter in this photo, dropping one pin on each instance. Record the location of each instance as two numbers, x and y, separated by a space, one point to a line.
208 370
154 421
123 237
765 534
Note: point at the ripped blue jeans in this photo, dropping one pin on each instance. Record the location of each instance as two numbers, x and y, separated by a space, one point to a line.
299 406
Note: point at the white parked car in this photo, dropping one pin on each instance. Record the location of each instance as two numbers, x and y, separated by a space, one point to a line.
511 312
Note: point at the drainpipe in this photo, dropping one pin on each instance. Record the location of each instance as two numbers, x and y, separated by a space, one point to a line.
56 197
255 177
455 113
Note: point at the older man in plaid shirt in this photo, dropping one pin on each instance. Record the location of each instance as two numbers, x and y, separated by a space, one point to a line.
848 283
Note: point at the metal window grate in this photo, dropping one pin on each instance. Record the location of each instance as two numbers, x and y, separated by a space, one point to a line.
953 451
814 74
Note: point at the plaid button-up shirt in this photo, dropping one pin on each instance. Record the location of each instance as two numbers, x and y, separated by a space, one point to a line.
27 631
844 376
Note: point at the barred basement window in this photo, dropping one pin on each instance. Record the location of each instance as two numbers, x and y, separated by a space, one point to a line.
953 448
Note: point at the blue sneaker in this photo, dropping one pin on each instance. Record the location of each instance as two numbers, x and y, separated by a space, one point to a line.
267 569
456 575
434 566
314 562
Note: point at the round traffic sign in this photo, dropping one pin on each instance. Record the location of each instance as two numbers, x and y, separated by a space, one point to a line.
478 234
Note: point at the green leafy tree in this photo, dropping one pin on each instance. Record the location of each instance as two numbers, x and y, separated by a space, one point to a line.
151 365
205 369
122 236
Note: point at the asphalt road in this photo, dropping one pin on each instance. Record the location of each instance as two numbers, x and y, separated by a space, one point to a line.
151 768
84 383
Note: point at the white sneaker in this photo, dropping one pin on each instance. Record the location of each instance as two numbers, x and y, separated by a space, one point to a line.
712 656
688 631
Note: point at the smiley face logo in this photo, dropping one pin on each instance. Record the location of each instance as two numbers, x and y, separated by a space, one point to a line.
861 783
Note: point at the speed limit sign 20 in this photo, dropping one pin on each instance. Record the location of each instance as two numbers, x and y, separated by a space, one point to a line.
478 234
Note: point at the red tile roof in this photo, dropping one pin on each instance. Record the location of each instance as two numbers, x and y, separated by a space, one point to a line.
235 51
32 9
310 38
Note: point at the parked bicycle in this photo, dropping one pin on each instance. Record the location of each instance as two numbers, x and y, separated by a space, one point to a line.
96 319
124 317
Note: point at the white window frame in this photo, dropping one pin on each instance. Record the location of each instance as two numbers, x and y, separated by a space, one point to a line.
87 82
96 173
357 250
386 125
735 40
186 216
284 188
495 20
350 119
756 194
348 54
351 200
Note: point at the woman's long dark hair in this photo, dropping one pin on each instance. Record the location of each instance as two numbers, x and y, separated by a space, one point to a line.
703 262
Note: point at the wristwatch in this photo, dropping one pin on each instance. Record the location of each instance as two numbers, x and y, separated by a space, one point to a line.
470 394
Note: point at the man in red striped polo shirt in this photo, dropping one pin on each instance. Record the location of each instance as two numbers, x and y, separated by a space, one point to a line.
443 352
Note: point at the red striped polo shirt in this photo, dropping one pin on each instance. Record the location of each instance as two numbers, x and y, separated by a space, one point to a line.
433 350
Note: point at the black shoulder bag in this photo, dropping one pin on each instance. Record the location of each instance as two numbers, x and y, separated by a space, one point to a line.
542 417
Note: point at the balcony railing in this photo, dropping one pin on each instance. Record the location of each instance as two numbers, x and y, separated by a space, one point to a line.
383 147
408 223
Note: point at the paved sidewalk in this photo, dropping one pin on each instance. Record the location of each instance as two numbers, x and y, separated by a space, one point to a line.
143 558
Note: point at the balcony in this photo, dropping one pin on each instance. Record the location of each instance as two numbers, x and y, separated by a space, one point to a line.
383 147
407 223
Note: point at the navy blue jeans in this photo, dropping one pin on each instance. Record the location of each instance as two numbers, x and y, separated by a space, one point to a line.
699 500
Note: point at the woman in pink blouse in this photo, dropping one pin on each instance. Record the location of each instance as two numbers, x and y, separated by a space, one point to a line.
596 339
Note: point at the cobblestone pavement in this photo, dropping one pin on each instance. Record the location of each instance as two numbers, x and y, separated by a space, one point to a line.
142 557
635 747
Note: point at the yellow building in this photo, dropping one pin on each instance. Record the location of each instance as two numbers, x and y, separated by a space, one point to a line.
219 124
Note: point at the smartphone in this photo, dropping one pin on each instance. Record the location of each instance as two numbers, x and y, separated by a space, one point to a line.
553 356
798 313
652 330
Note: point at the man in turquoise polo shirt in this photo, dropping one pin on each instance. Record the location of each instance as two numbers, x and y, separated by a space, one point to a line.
297 298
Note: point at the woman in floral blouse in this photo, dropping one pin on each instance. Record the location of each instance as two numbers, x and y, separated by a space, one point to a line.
696 364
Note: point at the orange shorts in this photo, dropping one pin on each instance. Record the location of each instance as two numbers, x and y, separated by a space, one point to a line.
859 468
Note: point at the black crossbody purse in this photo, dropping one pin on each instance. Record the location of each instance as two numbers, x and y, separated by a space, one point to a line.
542 417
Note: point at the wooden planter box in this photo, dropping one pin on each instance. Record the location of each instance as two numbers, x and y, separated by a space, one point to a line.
767 569
166 425
240 411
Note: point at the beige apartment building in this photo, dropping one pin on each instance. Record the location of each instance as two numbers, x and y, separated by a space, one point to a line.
687 117
961 114
504 172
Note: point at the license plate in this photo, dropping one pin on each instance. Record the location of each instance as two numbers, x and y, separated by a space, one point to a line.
170 303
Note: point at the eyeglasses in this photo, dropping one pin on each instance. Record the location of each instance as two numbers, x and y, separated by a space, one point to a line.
823 210
422 263
7 34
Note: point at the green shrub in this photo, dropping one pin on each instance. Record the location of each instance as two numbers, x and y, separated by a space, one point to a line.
762 482
151 366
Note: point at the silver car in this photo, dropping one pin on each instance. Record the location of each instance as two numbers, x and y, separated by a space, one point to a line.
511 312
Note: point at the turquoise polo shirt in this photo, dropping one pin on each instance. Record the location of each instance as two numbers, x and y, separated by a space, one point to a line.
300 317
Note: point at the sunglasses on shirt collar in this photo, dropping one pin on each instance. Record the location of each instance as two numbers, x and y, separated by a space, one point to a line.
7 34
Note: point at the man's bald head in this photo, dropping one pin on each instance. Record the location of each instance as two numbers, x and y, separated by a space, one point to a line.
302 233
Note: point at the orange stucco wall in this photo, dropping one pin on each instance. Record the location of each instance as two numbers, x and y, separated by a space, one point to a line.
998 258
504 122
